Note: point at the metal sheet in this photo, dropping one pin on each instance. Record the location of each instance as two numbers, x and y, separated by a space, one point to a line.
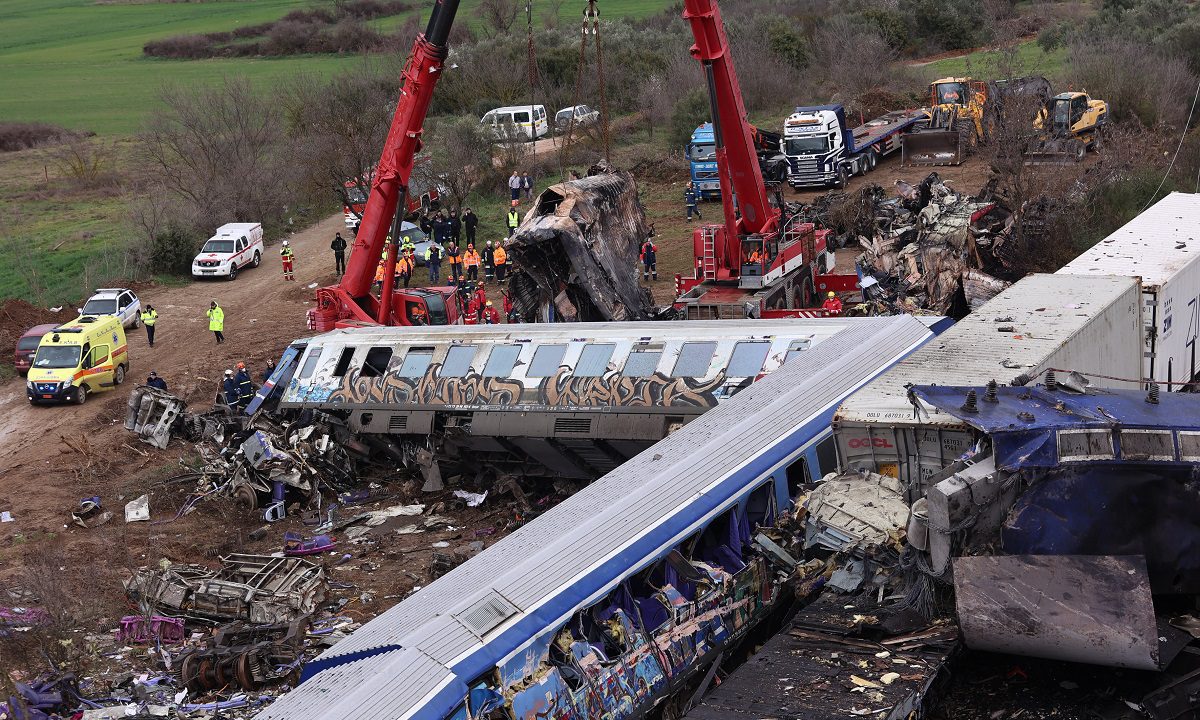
1088 609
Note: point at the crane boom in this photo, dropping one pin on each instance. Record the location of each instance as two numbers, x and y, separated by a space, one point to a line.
733 133
350 299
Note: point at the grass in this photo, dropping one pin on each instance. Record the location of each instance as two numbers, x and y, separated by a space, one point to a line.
1025 58
79 64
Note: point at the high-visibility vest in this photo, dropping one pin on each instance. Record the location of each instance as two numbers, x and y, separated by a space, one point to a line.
216 319
471 259
499 257
149 317
513 218
454 257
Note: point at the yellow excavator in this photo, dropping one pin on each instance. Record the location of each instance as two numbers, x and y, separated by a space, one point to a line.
1069 124
961 113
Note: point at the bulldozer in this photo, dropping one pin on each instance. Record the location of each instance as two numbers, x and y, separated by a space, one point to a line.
961 114
1069 124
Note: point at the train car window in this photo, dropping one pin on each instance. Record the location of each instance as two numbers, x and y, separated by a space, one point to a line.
343 363
795 348
641 363
377 361
593 361
546 360
760 506
827 456
416 362
747 359
694 359
502 360
797 477
458 361
310 363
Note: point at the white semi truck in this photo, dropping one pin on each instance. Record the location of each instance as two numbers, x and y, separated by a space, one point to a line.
822 148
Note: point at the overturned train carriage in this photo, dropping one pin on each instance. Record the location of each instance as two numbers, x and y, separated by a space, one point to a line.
567 401
630 590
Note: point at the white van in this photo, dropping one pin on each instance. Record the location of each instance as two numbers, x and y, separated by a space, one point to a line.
518 115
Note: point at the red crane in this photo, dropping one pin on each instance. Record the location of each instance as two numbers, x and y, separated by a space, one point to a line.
350 301
760 262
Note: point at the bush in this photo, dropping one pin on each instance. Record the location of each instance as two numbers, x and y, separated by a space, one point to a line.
1052 37
180 47
1119 71
688 113
22 135
946 24
172 250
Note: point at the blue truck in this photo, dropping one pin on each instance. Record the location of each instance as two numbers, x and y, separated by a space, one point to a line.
702 159
822 148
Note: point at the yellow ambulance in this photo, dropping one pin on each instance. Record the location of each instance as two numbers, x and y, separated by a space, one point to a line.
85 355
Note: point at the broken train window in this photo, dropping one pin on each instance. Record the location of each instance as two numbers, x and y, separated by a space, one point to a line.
343 363
376 362
416 362
760 505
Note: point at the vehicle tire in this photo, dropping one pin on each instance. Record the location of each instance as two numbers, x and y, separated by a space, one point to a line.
233 270
34 401
860 166
1079 150
257 259
1097 141
81 394
808 293
137 320
119 375
872 160
843 177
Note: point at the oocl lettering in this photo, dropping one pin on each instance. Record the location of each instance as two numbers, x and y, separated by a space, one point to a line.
857 443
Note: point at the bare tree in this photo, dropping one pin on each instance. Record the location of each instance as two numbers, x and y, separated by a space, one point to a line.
86 162
551 14
848 58
498 16
338 128
459 157
222 152
654 102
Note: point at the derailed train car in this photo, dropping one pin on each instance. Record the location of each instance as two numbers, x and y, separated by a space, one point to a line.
627 592
570 401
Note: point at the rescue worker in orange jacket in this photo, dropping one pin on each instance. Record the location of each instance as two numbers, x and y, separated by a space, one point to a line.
500 261
832 305
405 266
455 258
471 261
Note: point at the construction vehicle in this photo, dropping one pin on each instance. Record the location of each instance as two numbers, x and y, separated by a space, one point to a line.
1070 123
350 302
762 261
962 113
822 148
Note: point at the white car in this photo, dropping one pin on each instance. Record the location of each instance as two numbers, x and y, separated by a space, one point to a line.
121 302
584 115
235 246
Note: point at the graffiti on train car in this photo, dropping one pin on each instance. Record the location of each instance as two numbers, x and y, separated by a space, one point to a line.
561 389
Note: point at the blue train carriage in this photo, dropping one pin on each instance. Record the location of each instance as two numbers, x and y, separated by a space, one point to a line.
629 590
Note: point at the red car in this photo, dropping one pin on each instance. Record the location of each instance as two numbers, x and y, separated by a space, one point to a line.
27 346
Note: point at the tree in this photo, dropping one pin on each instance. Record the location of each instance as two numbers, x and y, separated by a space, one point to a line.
654 102
222 152
498 16
338 128
459 154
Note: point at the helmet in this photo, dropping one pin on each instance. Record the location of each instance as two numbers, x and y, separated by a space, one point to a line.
832 294
241 366
153 374
489 303
228 373
285 242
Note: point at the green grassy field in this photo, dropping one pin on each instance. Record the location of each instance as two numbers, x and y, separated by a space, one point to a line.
1025 59
79 64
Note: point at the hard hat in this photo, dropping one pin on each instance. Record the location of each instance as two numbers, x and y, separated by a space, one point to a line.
153 374
285 242
832 294
241 366
228 372
489 303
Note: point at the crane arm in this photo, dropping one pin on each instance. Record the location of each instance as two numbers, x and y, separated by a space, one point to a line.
351 298
735 137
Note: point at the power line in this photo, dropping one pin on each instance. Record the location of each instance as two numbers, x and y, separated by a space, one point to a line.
1178 147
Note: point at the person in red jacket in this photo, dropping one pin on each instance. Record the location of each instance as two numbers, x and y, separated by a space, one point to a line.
480 301
490 315
832 305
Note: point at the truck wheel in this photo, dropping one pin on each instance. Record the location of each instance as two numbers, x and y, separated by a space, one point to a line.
257 259
872 159
119 375
842 178
233 268
81 394
137 320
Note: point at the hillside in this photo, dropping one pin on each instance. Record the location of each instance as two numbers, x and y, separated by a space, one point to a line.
79 63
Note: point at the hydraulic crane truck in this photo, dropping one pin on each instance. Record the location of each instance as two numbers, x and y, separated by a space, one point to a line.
350 302
762 261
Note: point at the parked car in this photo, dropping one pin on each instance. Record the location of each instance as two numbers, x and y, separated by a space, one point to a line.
27 345
120 302
584 115
517 118
421 241
235 246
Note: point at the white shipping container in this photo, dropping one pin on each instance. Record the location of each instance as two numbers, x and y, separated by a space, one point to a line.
1089 324
1161 247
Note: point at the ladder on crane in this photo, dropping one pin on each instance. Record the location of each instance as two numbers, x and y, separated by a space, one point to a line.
708 261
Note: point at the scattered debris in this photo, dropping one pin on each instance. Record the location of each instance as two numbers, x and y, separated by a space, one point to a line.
137 510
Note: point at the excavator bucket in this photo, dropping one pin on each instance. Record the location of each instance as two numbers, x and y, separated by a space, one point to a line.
932 147
1056 152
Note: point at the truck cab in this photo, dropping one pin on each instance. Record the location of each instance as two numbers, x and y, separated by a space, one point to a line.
702 162
88 354
815 149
